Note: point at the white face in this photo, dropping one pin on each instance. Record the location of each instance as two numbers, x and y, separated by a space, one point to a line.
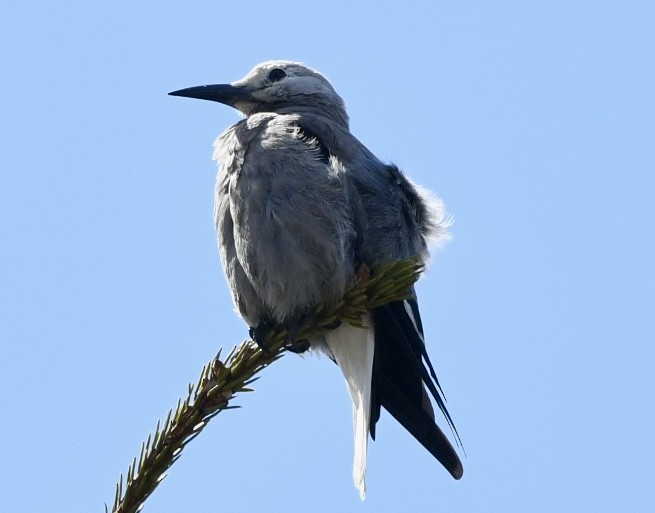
284 81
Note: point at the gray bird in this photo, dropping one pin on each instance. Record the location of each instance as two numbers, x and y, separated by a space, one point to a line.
301 205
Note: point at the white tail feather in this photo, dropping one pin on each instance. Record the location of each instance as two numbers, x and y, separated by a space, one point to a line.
353 350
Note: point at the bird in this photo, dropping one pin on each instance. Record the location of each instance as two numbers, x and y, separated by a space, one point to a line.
301 208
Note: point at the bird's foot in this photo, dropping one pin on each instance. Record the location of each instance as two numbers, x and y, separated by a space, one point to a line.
293 330
333 325
258 334
298 347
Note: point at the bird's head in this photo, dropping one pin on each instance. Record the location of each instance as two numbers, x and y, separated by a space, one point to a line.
276 86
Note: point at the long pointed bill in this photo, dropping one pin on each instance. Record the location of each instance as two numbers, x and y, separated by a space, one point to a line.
222 93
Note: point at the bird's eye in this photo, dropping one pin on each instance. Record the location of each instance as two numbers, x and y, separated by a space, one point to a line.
276 74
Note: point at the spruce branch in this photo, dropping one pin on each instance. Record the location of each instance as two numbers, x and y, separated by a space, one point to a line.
221 380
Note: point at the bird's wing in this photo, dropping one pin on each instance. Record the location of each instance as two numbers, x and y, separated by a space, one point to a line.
401 372
400 222
394 221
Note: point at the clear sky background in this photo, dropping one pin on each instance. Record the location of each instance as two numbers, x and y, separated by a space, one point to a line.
534 121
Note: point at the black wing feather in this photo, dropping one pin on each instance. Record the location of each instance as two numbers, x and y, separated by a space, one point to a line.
399 378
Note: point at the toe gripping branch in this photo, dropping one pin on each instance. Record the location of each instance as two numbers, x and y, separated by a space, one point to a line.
259 334
293 344
266 327
263 331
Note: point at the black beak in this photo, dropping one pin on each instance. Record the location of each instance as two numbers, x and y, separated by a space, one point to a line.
222 93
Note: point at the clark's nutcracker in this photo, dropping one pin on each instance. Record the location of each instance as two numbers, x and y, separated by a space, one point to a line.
301 206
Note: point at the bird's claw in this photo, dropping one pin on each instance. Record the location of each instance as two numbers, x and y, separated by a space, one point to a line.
333 325
293 328
298 346
258 334
293 344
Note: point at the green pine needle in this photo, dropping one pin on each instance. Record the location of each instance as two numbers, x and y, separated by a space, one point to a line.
221 380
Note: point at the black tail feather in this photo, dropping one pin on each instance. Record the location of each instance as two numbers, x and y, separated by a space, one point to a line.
399 378
398 313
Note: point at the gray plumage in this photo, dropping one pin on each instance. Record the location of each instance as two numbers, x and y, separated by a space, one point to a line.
283 218
300 205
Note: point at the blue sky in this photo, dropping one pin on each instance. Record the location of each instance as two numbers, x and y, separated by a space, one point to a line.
533 121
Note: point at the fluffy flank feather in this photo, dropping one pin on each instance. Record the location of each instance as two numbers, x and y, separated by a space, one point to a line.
439 220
